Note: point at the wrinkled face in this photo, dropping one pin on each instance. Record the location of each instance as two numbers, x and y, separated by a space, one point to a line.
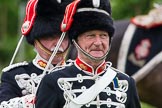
95 42
49 45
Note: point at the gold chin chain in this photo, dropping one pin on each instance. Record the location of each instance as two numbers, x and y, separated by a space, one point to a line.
43 48
47 50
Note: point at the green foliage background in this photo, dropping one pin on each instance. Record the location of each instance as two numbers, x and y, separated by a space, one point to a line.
12 14
11 18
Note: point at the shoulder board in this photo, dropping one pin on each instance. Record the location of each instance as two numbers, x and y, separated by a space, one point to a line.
14 66
118 71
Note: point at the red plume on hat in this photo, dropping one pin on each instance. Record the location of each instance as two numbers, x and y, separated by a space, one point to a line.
68 16
30 17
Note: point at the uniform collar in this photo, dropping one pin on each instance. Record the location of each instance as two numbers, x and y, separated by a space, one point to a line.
41 63
87 68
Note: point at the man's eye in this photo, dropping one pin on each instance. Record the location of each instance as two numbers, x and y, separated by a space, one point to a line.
103 36
90 36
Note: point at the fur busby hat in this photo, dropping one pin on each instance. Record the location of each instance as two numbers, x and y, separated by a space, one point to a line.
49 14
91 15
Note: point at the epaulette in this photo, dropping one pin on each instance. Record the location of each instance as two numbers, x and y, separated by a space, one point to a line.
14 66
118 71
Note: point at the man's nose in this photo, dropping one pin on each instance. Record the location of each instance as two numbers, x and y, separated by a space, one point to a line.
98 40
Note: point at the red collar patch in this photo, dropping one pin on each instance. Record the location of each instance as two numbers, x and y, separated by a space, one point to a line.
84 66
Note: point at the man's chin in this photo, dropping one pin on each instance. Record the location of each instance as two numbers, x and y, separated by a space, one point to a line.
57 60
97 56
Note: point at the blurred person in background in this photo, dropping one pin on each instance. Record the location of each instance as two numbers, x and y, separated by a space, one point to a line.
19 81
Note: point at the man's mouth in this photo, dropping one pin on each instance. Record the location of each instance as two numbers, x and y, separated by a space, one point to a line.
60 50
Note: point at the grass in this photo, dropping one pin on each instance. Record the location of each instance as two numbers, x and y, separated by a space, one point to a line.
145 105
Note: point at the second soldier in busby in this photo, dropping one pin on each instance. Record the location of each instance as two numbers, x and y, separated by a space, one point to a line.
41 29
89 81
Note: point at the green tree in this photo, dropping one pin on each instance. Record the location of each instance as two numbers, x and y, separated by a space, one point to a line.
122 9
9 28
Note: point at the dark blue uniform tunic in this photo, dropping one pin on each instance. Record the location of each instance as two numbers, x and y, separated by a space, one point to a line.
9 88
51 95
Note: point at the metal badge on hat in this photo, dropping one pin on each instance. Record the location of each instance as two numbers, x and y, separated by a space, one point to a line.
27 25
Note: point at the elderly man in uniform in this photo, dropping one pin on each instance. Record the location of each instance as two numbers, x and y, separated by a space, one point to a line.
88 81
19 81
